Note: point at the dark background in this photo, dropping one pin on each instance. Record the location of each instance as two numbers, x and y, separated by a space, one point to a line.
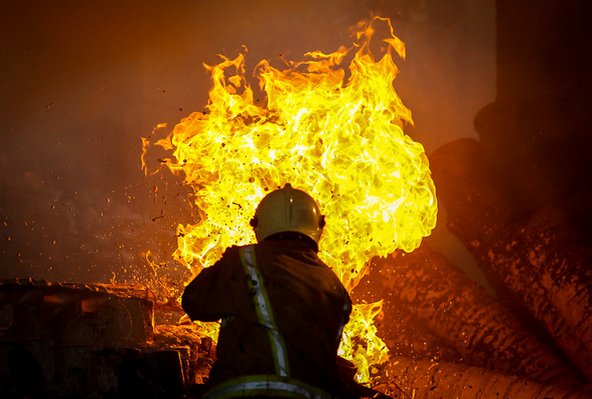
82 82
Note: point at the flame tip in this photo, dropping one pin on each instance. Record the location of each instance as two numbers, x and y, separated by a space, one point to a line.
332 128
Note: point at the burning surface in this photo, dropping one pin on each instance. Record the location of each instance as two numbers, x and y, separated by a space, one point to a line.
332 125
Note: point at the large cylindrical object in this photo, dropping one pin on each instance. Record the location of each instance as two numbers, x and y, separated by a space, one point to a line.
423 379
480 327
542 263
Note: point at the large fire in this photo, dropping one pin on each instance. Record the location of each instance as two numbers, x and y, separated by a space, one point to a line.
331 125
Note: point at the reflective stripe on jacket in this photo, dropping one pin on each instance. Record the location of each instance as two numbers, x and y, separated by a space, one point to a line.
264 311
265 385
283 311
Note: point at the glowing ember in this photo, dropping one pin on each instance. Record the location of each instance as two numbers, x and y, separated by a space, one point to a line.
338 137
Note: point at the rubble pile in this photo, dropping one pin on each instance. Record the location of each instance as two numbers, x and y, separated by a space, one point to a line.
89 340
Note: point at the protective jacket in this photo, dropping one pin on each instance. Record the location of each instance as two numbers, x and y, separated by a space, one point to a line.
282 311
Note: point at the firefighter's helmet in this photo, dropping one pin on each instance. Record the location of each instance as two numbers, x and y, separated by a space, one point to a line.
288 210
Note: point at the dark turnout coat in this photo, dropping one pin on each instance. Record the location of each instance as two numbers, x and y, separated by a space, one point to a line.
283 312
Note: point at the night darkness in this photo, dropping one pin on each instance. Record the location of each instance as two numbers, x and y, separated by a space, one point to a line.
83 81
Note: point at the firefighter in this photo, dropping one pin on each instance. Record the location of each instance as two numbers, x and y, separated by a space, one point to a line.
282 310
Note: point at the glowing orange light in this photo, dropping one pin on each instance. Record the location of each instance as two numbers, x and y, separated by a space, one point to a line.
331 127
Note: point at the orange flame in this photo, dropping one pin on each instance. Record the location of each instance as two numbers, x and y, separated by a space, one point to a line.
330 129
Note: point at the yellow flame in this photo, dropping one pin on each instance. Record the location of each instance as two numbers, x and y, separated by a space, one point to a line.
360 343
329 127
